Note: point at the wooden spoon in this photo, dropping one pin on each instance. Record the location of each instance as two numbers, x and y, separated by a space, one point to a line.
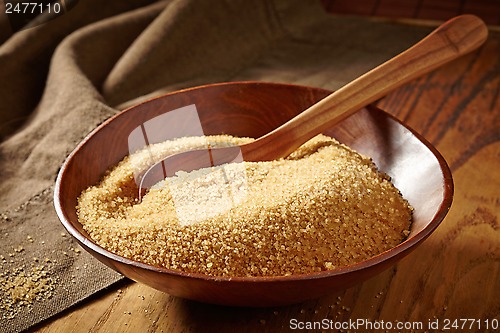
449 41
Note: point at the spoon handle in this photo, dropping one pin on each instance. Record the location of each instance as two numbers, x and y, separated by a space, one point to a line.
449 41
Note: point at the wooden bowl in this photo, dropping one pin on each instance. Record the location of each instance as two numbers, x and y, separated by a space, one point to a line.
252 109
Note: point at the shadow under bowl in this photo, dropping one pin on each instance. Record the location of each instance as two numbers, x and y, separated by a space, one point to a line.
253 109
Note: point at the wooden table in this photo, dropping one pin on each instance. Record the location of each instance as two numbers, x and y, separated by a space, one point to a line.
453 275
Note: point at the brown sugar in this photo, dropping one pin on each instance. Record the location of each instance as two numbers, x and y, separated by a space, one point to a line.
323 207
23 286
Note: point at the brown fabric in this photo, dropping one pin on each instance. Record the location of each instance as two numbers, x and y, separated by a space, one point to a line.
105 55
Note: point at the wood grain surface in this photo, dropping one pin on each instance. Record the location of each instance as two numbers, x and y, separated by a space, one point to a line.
453 275
488 10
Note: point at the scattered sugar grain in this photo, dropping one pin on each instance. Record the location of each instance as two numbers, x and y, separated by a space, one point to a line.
21 287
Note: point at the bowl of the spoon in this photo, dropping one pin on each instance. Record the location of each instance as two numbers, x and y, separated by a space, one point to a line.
188 161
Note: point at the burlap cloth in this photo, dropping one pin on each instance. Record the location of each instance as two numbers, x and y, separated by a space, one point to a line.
61 79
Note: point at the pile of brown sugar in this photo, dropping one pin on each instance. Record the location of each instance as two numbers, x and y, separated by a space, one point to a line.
323 207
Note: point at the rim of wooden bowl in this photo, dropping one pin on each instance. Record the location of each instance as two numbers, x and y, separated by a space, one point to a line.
401 249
